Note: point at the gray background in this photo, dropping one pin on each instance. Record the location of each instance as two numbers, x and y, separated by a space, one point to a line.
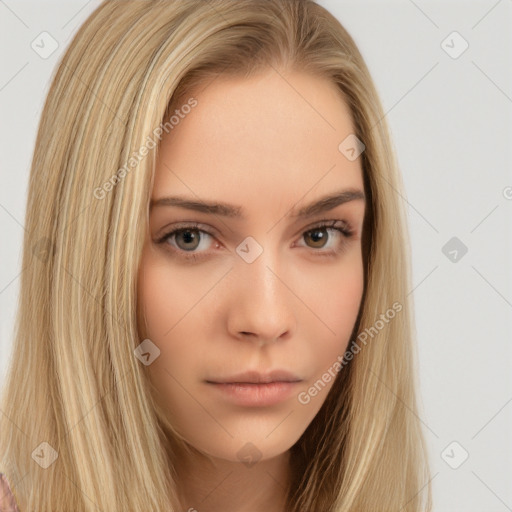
451 121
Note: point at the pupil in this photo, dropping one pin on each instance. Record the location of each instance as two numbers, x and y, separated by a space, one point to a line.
189 236
317 236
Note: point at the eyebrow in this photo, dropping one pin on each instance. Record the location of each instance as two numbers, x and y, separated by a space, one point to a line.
321 205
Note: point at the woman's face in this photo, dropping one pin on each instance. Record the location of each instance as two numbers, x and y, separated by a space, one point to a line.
251 285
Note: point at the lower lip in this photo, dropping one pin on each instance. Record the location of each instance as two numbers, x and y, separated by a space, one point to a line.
256 395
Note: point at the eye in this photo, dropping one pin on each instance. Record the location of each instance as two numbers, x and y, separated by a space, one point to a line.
192 241
189 239
318 237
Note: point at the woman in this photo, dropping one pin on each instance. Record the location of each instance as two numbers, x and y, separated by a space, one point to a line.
214 311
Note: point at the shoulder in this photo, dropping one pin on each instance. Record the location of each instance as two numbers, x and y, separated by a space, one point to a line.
7 500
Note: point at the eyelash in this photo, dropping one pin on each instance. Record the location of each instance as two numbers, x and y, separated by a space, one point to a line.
341 226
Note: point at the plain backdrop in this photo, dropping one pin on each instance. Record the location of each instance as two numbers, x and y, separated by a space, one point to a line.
444 73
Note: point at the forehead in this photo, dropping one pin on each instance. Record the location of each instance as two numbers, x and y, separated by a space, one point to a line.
274 136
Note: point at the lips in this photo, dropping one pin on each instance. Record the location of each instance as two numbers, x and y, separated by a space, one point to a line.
257 377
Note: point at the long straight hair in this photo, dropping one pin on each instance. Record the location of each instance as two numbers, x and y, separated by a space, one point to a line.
74 382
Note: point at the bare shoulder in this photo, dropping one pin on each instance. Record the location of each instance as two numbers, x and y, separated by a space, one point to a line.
7 500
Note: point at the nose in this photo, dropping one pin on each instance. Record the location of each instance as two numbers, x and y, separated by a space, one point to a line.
261 305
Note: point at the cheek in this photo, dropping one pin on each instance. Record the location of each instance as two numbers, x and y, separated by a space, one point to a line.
166 295
157 302
334 293
335 306
169 313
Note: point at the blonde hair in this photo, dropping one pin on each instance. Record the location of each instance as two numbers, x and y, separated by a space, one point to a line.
74 382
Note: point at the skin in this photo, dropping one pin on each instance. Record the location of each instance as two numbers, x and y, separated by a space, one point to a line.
268 144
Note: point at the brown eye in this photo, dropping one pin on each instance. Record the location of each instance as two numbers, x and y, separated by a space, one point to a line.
328 239
318 237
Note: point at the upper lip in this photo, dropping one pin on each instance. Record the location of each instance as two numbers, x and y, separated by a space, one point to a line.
256 377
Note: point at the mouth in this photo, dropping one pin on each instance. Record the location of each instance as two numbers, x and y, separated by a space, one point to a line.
256 389
255 395
255 377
